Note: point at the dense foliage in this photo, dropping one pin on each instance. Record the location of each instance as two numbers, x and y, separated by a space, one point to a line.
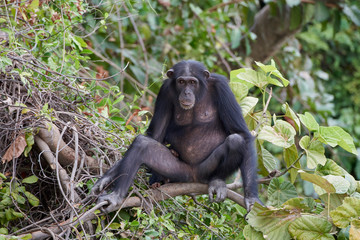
89 73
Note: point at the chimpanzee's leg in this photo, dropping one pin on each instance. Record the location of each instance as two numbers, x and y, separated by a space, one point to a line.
147 151
236 152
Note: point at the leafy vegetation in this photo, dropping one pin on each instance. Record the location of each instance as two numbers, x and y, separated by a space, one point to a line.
78 82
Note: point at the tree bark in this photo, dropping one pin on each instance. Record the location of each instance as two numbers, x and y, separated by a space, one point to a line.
272 31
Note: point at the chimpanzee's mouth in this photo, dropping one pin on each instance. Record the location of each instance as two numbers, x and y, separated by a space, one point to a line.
186 105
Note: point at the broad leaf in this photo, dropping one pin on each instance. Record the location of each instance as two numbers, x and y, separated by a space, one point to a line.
315 152
248 104
310 227
272 70
337 136
318 180
251 234
240 90
278 193
281 134
330 168
269 222
347 212
309 121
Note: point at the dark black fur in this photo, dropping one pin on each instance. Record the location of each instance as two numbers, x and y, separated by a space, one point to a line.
211 139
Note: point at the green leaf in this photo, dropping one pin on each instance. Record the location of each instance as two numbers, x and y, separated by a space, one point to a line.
34 5
269 223
251 234
310 227
278 193
322 12
248 104
30 180
330 168
315 152
337 136
318 180
347 212
291 114
20 199
235 38
240 90
290 156
272 70
281 134
299 204
250 78
309 121
295 17
268 159
34 201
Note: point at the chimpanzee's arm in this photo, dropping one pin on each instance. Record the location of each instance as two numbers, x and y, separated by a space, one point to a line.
233 122
162 113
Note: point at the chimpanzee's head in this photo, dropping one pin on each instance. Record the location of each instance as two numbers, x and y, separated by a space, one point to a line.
189 79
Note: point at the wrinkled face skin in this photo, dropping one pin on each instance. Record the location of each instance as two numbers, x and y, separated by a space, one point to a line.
189 77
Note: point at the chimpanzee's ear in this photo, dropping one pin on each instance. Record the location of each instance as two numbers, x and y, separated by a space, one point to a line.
169 73
207 74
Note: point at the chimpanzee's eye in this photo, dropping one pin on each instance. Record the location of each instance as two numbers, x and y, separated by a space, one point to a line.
181 81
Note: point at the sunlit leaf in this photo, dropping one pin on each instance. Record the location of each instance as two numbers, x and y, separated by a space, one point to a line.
278 193
251 234
248 104
347 212
281 134
309 121
315 152
337 136
311 227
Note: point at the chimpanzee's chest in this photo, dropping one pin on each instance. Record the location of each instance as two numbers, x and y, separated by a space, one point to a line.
195 133
199 114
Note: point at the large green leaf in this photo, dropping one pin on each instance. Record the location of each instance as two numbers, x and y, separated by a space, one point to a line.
251 234
272 223
278 193
315 152
309 121
311 227
248 104
330 168
272 70
281 134
318 180
337 136
240 90
347 212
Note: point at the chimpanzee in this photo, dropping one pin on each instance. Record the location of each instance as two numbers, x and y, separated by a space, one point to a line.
197 134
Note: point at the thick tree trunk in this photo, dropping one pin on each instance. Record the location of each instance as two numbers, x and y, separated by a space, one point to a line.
272 30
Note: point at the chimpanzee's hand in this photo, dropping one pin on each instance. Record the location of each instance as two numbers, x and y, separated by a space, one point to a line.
113 199
250 201
101 185
218 187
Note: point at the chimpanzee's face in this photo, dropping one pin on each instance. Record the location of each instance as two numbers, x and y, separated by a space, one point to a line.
189 77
